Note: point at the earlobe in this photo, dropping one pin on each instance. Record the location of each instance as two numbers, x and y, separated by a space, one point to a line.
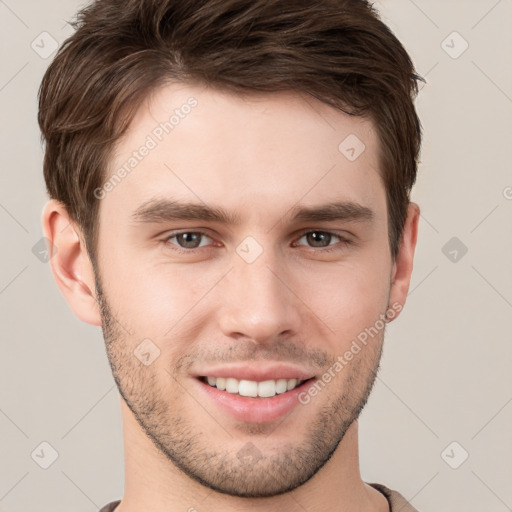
403 265
70 263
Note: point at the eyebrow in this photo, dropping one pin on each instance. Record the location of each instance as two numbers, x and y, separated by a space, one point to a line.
166 210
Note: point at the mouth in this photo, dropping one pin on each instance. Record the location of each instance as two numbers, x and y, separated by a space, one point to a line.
254 401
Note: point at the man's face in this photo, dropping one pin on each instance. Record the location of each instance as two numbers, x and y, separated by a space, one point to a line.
270 297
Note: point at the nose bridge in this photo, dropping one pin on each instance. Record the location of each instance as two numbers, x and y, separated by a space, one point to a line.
257 302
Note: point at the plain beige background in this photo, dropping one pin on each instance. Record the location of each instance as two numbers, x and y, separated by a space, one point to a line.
445 388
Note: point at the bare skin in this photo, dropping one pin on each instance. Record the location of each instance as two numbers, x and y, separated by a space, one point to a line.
207 310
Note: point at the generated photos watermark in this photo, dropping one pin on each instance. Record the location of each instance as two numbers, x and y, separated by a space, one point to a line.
151 142
342 361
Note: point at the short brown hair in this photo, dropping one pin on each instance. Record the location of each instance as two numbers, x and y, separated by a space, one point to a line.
337 51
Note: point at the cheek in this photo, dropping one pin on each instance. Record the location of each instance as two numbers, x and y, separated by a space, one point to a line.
348 300
151 299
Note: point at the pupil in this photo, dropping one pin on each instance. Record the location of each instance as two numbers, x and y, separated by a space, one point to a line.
189 239
315 235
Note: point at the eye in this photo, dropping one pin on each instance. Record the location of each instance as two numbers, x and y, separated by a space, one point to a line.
187 239
322 239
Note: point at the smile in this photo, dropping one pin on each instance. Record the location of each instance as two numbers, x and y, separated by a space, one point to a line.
251 388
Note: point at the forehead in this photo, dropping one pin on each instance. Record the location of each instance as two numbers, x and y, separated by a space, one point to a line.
260 153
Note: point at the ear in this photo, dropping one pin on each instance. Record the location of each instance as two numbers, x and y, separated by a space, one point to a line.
70 263
402 267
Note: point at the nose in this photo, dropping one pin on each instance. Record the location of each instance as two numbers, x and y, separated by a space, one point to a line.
258 301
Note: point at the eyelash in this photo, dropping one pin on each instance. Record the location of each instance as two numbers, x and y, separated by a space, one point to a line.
341 244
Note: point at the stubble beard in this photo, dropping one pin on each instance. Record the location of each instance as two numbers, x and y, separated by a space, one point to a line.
186 445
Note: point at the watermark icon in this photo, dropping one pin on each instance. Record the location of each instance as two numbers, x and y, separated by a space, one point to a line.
151 142
249 454
352 147
305 397
41 249
44 455
44 45
454 249
146 352
249 249
454 455
454 45
507 192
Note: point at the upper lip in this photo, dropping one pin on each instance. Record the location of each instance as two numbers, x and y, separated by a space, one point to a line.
267 371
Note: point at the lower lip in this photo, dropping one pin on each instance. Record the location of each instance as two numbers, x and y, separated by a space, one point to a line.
255 410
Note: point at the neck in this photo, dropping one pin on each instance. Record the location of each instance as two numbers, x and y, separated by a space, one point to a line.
152 482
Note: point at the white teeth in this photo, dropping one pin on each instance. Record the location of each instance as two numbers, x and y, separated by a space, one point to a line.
282 386
291 384
231 385
267 388
264 389
248 388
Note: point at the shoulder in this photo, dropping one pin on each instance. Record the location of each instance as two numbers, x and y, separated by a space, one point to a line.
111 506
396 501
